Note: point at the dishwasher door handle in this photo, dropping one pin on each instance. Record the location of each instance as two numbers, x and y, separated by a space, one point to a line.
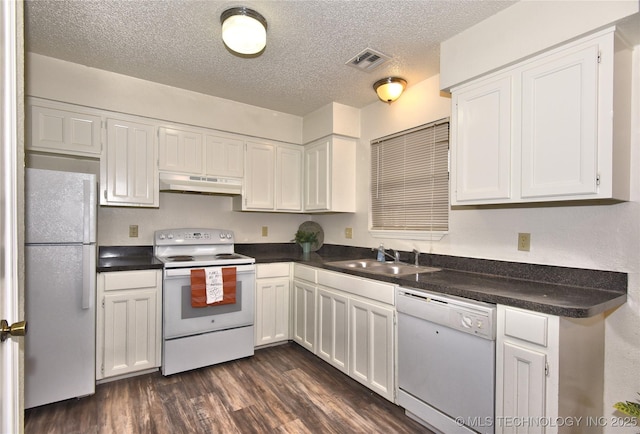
424 308
424 298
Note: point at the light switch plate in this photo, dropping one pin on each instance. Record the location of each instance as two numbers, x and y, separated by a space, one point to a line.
133 231
348 233
265 231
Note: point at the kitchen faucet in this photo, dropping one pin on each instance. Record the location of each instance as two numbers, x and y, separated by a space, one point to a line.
395 256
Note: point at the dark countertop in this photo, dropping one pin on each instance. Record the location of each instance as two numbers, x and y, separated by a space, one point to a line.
562 291
126 258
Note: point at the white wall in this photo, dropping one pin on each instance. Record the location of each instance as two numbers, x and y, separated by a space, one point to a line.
192 210
64 81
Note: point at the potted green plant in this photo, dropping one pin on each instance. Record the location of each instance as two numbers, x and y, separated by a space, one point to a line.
628 407
305 239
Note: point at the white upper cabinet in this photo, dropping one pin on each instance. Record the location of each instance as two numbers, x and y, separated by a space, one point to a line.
223 156
200 152
63 129
559 137
330 175
543 129
273 178
259 180
129 165
180 151
483 141
289 178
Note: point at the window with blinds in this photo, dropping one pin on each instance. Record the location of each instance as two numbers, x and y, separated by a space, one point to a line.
410 180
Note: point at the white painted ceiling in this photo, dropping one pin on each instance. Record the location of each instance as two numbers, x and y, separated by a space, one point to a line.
178 43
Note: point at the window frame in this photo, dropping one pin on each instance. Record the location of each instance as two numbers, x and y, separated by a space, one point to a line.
432 235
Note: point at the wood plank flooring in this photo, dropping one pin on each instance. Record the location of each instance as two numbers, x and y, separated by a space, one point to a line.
281 389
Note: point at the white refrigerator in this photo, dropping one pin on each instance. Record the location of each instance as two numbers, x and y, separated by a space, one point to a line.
60 279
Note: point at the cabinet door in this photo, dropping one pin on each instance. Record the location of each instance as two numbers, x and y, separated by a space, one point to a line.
272 311
304 314
223 156
62 131
289 178
372 347
180 151
317 176
481 142
523 383
259 176
333 323
129 170
560 125
129 331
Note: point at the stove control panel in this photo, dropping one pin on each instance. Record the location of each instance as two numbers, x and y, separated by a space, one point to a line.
193 236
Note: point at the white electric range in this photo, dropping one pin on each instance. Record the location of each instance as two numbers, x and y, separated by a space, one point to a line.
194 337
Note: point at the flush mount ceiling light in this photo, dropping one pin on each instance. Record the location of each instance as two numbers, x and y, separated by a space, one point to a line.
244 30
389 89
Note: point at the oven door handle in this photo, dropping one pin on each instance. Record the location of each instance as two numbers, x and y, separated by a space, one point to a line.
240 269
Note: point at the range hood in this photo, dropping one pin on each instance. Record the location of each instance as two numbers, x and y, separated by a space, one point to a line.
199 184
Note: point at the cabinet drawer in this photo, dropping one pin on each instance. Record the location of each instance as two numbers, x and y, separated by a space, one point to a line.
130 280
305 273
280 269
528 326
382 292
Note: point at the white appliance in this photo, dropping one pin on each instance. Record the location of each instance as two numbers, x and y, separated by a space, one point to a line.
194 337
446 361
199 184
60 279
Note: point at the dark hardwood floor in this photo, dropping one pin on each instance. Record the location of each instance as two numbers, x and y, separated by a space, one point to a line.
281 389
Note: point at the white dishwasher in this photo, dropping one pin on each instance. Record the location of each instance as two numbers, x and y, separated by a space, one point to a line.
446 361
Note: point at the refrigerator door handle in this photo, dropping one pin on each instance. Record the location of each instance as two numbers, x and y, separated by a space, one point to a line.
88 212
88 275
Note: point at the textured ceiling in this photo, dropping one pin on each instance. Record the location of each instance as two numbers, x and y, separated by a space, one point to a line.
178 43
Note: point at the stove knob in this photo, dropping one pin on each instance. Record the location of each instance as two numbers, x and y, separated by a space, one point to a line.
221 235
162 237
229 235
170 236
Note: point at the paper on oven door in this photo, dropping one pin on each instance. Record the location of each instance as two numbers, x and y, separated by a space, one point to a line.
214 285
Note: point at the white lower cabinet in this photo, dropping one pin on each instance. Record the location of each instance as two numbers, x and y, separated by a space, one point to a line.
129 322
548 369
349 322
273 287
372 346
304 314
333 326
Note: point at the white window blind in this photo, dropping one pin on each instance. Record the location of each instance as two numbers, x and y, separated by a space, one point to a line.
410 179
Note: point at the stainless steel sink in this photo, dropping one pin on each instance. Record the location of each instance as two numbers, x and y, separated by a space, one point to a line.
384 268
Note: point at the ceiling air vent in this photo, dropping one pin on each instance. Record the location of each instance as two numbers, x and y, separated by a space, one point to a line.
368 60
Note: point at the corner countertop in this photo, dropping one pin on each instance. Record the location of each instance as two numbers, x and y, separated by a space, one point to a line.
561 291
126 258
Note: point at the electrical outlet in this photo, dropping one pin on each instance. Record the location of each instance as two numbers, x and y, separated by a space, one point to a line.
133 231
265 231
348 233
524 241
